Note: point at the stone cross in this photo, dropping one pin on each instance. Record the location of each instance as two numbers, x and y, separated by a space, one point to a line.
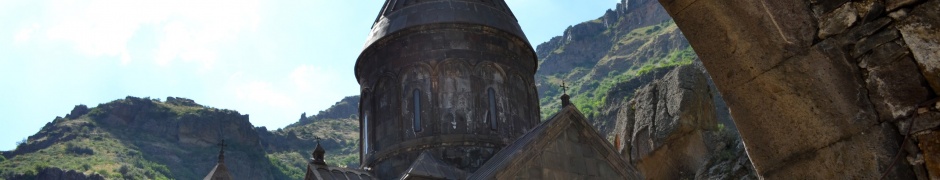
222 145
222 151
564 87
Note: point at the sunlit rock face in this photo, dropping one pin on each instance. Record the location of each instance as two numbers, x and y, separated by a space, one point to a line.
451 77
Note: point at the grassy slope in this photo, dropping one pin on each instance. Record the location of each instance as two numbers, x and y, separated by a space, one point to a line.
82 144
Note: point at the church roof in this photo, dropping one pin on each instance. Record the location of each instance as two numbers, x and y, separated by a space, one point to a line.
428 167
400 14
538 139
322 172
219 172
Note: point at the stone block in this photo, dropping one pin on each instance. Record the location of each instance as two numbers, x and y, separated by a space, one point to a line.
837 21
896 88
926 121
824 6
868 43
891 5
865 155
868 28
734 52
929 143
824 102
869 10
921 32
884 55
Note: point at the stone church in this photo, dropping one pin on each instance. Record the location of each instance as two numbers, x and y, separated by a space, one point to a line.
448 92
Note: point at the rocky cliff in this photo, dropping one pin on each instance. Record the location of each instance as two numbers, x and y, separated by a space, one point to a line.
669 130
590 57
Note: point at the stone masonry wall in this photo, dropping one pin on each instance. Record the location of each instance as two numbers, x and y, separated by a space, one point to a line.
825 89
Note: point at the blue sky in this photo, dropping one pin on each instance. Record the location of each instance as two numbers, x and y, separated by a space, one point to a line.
271 59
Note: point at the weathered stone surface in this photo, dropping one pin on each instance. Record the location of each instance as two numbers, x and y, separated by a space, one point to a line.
899 14
897 86
924 121
775 30
868 28
826 103
884 55
863 156
891 5
866 44
807 114
869 10
929 143
837 21
921 31
664 136
824 6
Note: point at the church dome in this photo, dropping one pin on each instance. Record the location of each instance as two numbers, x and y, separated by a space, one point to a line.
396 15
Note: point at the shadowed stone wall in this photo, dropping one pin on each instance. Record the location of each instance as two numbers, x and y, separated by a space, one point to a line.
820 89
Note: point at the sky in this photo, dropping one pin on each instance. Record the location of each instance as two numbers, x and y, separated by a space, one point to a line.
271 59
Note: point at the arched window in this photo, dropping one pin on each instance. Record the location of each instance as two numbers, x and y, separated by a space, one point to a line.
365 132
491 116
416 119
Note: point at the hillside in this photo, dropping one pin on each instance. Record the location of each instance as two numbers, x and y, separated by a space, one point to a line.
338 127
142 138
626 42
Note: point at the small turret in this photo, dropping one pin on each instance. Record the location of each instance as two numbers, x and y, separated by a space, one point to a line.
318 154
565 99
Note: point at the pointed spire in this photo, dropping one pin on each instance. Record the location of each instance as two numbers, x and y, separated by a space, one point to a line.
222 151
318 154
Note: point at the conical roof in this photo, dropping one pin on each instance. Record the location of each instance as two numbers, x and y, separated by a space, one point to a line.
401 14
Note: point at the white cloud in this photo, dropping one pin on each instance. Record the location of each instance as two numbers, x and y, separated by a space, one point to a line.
187 30
253 91
24 34
307 77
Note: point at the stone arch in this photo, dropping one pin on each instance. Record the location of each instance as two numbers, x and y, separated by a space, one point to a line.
365 121
455 95
491 75
518 117
386 120
800 98
417 76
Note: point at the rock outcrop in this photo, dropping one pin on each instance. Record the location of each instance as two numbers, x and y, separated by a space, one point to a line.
670 130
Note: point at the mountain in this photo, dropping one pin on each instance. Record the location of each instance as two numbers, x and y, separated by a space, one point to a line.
626 42
142 138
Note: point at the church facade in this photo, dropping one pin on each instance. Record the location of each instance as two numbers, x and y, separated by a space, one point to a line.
448 92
